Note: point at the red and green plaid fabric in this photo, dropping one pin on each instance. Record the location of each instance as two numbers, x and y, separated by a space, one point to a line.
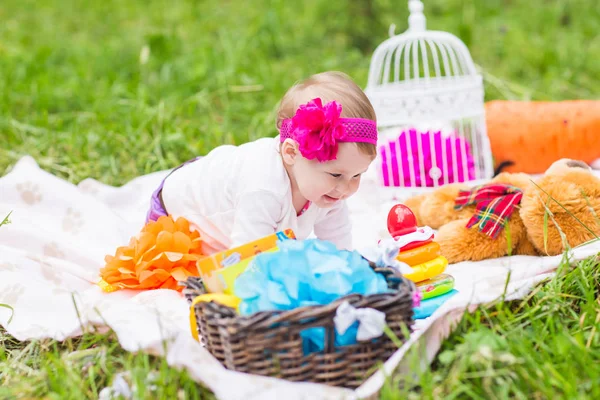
494 204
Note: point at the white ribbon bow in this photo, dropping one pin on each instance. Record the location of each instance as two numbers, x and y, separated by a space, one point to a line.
384 255
370 321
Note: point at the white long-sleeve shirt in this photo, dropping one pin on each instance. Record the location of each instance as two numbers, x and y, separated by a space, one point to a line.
237 194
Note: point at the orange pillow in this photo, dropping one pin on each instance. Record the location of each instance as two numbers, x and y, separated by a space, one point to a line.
529 136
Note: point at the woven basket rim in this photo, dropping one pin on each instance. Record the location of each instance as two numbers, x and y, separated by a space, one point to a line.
351 298
271 317
270 342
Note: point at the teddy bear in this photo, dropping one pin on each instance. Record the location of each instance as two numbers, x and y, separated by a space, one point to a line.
514 213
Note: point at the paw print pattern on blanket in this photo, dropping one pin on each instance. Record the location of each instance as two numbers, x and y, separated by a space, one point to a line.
30 193
49 273
52 250
7 266
12 294
72 222
87 186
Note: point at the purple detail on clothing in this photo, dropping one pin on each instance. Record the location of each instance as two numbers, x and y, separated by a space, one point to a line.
156 208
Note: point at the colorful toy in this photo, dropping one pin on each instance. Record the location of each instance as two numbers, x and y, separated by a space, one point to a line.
435 286
227 275
218 282
558 209
425 159
418 249
428 307
421 253
428 269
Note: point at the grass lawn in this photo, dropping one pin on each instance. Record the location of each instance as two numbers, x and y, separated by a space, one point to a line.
116 89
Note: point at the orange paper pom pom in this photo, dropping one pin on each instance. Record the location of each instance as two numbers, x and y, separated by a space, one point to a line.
163 253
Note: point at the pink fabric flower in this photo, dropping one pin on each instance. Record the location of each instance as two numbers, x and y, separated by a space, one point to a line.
317 129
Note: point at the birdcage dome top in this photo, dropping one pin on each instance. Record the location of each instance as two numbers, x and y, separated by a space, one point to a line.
433 67
429 100
423 53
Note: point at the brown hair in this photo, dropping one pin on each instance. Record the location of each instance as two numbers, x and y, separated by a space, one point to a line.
330 86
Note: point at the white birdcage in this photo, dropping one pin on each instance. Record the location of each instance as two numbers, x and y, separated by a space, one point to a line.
429 102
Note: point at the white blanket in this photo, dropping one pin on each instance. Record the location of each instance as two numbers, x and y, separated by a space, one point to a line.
51 253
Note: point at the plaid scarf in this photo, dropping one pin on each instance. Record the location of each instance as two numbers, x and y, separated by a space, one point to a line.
495 203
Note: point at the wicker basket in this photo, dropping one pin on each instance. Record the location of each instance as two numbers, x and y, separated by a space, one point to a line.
269 342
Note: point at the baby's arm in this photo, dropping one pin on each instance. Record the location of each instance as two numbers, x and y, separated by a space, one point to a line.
257 214
336 227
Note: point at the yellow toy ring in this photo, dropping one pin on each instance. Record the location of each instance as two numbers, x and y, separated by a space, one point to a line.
428 269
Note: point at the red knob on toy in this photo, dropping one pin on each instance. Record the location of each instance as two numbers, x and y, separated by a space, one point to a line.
401 221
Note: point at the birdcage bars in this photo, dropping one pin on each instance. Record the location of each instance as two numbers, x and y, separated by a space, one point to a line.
427 78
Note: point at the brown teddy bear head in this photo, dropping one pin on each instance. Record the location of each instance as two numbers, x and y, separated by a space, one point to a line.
517 179
562 208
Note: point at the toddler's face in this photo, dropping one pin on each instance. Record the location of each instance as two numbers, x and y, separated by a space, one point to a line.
324 184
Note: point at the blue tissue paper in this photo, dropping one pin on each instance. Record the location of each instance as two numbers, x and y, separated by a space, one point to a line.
309 272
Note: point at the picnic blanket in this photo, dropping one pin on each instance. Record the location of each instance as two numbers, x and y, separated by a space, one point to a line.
51 253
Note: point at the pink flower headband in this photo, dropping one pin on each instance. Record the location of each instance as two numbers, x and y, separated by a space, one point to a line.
318 129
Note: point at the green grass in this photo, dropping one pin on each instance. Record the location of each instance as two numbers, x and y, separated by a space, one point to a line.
80 368
6 220
546 345
115 89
